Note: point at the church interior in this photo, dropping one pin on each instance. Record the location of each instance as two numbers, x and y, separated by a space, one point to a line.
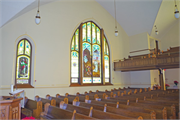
89 59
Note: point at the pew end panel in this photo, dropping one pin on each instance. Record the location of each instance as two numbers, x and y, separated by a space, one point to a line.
34 106
57 95
53 102
37 112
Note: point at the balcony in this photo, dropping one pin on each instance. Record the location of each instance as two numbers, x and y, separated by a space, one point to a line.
155 60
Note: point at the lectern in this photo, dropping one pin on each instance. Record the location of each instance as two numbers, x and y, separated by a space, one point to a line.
10 107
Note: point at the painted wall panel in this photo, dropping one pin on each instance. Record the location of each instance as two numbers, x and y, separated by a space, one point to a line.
172 75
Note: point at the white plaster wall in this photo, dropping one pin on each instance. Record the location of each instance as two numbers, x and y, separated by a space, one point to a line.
172 75
154 77
169 39
139 79
0 60
172 37
138 42
0 47
52 38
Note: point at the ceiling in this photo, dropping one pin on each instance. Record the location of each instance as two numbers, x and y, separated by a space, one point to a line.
134 16
11 9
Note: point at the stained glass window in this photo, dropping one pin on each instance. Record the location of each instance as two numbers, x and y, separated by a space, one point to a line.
87 80
107 50
89 32
105 46
106 61
27 48
72 46
98 36
86 55
93 33
23 64
84 32
75 57
91 56
87 69
74 64
21 47
96 64
77 39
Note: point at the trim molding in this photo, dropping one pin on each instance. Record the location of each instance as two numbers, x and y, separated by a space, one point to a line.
5 87
130 84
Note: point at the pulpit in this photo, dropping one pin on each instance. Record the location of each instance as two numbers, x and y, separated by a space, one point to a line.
10 107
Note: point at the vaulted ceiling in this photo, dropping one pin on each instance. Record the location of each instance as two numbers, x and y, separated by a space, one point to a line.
135 16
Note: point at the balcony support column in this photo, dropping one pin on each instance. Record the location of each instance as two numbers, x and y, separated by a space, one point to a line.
161 79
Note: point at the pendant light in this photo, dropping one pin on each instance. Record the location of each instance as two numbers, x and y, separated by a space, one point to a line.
38 18
176 12
116 31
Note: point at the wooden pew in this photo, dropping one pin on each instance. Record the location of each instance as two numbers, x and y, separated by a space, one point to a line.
81 97
162 101
142 99
44 101
143 104
32 106
113 110
52 112
135 98
92 112
148 106
96 97
58 100
70 99
140 95
159 111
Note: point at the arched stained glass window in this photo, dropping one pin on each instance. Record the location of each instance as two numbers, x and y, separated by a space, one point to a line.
75 57
106 59
23 62
89 55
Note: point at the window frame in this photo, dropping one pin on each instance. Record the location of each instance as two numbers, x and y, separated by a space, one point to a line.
80 57
28 85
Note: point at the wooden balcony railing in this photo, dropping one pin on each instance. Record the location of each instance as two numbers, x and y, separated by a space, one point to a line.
163 60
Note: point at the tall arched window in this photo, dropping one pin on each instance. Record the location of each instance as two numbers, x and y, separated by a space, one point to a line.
90 59
23 63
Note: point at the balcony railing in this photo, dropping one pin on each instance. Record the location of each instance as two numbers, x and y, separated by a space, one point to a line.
163 60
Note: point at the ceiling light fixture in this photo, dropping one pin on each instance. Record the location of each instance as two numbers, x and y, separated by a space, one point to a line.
176 13
156 31
38 18
116 31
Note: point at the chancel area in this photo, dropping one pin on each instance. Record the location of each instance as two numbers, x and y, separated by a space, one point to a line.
89 59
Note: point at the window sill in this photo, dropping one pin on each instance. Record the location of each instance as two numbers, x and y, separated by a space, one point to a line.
23 86
78 85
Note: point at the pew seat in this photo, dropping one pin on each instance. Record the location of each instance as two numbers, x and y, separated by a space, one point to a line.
51 112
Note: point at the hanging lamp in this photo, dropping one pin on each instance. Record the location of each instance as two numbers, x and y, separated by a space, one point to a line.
116 31
156 31
38 18
176 11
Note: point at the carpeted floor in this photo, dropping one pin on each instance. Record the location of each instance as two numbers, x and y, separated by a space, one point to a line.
23 117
